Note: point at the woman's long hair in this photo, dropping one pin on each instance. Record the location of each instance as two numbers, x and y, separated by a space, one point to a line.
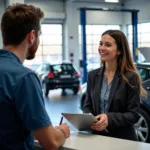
124 60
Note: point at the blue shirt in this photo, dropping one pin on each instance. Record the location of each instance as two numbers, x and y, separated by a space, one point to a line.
22 107
104 96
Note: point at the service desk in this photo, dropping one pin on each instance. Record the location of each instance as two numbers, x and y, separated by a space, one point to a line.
85 141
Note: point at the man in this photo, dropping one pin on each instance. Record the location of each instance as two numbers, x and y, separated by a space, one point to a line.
22 108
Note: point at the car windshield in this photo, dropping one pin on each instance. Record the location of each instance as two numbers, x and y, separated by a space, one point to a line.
62 67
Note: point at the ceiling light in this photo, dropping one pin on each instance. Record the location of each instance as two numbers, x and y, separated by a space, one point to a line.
112 1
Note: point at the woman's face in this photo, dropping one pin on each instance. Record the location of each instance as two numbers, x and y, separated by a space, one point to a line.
108 48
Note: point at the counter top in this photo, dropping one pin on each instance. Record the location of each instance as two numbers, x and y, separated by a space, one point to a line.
85 141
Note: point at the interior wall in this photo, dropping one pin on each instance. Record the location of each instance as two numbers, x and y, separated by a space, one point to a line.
143 6
53 9
57 7
2 7
100 17
48 5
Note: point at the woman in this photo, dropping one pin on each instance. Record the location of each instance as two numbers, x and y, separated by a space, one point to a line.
113 91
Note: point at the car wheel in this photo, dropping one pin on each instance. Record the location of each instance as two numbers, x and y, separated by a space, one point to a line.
75 90
45 89
142 127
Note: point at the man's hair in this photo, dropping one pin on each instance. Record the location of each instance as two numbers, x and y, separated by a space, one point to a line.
17 21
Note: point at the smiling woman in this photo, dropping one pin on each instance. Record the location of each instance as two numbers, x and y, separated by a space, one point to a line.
113 91
142 127
108 49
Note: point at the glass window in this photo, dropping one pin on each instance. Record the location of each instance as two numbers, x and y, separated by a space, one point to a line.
50 44
142 73
113 27
96 39
130 38
39 69
145 44
62 67
52 49
45 67
130 29
53 58
93 36
145 27
99 29
51 39
95 49
88 29
89 39
89 48
143 35
51 29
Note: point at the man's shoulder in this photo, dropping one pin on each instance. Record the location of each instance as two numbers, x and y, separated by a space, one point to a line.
14 72
21 70
27 73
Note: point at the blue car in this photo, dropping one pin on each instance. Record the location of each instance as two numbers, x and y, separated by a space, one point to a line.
142 127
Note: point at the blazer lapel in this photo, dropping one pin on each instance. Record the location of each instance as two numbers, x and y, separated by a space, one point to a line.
98 85
113 87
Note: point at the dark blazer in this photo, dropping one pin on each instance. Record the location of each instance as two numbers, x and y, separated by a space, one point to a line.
123 103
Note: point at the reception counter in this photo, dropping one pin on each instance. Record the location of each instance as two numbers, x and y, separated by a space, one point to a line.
85 141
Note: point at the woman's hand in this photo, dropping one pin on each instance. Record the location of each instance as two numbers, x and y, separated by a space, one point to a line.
101 124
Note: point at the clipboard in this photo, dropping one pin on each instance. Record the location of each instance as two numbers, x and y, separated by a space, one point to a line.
81 122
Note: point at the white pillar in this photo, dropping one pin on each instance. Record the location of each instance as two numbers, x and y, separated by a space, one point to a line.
71 41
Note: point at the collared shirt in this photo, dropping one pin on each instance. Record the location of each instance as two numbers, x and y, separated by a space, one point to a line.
22 107
104 96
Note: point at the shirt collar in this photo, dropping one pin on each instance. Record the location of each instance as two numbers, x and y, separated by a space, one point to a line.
9 54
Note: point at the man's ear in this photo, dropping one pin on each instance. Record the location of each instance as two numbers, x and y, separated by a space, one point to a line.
31 36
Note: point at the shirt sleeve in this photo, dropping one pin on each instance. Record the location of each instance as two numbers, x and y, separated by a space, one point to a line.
29 103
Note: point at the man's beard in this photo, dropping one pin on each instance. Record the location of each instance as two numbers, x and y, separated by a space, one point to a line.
31 51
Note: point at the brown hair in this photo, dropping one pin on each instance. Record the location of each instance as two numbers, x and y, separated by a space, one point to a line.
18 20
124 60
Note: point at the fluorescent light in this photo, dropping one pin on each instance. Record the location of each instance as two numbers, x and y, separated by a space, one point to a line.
112 1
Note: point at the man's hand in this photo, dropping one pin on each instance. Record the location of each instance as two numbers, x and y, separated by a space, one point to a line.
65 129
101 124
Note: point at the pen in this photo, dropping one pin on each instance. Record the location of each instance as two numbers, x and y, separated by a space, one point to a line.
61 120
106 130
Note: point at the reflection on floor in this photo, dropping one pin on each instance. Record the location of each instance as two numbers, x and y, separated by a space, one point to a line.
56 103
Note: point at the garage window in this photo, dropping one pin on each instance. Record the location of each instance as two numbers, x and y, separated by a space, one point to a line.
50 48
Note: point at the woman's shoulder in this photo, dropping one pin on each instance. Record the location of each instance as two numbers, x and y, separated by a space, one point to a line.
95 72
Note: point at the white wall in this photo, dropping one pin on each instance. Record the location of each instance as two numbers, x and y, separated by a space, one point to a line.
143 6
53 9
2 7
97 17
48 5
100 17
